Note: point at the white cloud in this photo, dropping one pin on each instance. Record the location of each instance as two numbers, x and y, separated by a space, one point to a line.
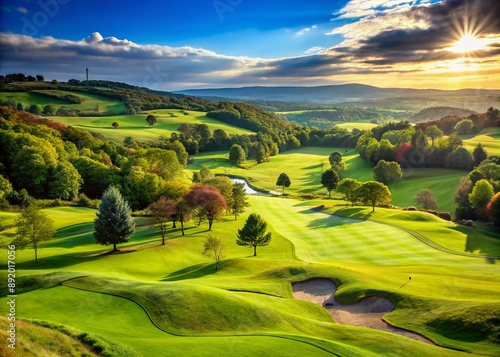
306 30
313 50
362 8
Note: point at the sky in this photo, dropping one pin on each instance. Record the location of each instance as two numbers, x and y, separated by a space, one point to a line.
175 45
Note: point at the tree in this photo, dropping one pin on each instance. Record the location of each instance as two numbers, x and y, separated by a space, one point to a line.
283 181
387 172
481 194
162 211
464 127
33 228
39 78
373 192
114 223
262 153
238 200
151 119
493 209
348 187
426 199
20 107
49 109
66 181
208 200
433 132
334 158
329 180
479 154
214 247
183 213
206 174
253 233
115 125
237 154
35 109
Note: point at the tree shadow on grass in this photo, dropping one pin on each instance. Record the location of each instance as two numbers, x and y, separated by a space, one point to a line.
192 272
480 242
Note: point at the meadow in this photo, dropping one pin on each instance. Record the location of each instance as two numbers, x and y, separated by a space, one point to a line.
489 138
169 300
106 105
135 125
304 166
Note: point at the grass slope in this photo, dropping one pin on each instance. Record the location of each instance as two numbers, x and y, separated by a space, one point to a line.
246 308
169 120
489 138
107 106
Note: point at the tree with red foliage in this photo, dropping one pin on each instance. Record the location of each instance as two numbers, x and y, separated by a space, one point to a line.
208 200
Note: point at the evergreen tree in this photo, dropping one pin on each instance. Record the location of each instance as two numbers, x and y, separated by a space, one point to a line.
253 233
238 200
479 154
114 223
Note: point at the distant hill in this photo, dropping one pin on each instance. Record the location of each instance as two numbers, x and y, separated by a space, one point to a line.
332 93
436 113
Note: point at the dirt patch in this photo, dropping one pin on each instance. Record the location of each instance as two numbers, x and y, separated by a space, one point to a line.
367 312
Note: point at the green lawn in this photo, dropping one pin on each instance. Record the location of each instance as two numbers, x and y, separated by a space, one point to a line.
248 303
361 125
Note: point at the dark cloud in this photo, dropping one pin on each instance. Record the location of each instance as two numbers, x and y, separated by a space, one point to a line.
448 20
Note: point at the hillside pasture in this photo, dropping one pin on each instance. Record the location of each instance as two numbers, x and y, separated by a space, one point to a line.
135 125
489 138
107 106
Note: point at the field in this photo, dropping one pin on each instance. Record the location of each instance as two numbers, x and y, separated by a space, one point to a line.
168 300
489 138
304 167
106 105
169 120
357 125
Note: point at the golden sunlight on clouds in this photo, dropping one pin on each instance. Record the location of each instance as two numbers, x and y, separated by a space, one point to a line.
469 43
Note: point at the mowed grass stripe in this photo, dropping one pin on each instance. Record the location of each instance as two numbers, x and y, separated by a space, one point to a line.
319 237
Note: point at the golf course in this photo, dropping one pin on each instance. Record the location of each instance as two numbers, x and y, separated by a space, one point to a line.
336 279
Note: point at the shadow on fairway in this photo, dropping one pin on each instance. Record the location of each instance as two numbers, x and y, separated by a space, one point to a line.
192 272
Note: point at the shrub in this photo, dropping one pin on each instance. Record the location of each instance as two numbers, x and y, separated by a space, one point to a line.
410 208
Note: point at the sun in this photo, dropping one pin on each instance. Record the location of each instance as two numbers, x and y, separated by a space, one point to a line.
468 43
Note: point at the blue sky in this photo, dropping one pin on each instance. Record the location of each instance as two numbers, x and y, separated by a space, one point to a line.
173 45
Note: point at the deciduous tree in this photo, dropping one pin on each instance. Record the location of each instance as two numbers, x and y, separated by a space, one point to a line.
481 194
151 119
348 187
283 181
237 154
329 180
253 233
214 247
33 228
433 132
426 199
162 211
208 200
114 223
373 192
387 172
493 209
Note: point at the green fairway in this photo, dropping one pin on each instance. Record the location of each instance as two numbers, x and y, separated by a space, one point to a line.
183 295
107 106
489 138
169 120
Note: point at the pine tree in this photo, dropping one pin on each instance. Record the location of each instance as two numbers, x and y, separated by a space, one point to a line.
114 223
253 233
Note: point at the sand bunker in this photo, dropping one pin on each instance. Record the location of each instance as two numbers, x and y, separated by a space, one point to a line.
367 312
